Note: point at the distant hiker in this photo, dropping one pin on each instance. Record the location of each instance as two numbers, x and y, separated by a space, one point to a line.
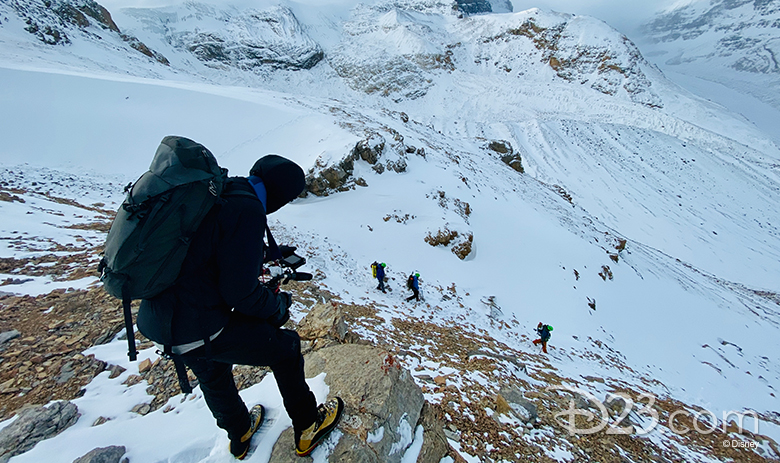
218 314
544 335
413 283
378 270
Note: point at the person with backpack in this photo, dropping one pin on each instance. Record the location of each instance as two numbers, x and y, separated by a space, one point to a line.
413 283
217 313
544 335
379 273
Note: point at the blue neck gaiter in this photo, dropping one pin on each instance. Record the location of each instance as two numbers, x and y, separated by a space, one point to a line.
259 186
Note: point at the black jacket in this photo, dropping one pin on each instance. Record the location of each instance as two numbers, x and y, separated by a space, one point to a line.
219 274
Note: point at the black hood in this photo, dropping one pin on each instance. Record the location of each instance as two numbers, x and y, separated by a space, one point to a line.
284 180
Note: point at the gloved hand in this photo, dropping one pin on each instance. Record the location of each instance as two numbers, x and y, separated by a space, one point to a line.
283 302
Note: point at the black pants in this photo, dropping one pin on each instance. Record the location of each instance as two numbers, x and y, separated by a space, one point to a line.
250 341
415 296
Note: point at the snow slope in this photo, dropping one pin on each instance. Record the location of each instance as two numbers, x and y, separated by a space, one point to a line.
692 188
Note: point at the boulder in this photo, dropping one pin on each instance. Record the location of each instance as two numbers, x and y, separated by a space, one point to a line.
324 325
518 406
8 335
112 454
616 407
34 425
383 407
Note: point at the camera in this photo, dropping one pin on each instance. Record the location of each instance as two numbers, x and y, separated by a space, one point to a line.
285 269
293 261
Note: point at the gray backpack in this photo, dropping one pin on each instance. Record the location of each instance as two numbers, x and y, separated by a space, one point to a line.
151 232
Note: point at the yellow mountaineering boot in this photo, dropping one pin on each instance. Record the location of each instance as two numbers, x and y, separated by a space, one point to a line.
328 416
239 448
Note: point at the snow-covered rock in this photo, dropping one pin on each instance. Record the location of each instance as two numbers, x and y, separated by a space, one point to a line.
34 425
58 22
111 454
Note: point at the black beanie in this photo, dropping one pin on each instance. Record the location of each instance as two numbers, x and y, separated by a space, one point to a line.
284 180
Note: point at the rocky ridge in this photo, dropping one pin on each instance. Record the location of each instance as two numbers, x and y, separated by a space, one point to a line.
394 48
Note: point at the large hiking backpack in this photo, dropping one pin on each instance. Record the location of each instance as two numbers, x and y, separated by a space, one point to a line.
151 232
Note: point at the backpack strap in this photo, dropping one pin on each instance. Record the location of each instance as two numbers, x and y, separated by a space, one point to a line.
126 300
181 370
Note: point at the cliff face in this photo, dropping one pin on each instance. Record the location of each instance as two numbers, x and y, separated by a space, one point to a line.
58 22
228 38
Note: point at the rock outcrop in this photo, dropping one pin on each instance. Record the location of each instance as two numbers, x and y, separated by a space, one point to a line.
384 407
34 425
474 6
112 454
507 154
469 7
580 50
325 179
460 243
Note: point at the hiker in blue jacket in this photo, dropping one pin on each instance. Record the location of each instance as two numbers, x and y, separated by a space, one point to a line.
413 283
379 272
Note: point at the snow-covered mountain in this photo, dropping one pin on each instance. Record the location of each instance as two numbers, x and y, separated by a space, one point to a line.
533 159
728 50
742 34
